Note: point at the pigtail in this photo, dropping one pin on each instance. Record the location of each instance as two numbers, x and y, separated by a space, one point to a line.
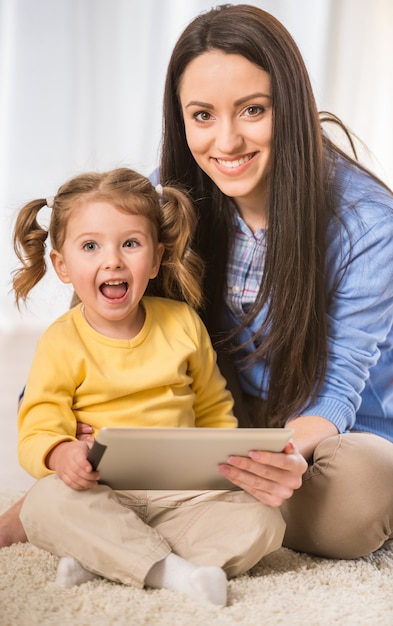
29 247
181 267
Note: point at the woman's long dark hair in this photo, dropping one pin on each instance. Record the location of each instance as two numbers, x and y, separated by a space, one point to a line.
293 338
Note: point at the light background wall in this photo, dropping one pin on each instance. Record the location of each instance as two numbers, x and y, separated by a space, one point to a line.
81 84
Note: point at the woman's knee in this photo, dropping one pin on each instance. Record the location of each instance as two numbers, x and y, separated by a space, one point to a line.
344 508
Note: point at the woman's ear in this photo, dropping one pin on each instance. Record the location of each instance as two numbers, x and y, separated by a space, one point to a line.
157 262
59 266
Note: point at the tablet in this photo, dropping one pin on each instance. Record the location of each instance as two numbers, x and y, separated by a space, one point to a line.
176 458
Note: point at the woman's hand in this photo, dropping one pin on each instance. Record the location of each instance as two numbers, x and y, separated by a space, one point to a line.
271 477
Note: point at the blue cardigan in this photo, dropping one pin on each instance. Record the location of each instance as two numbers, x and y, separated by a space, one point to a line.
357 393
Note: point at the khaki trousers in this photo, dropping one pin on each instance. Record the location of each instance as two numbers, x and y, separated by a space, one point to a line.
120 535
344 508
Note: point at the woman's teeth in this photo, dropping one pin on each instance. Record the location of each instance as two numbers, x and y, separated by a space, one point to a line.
235 163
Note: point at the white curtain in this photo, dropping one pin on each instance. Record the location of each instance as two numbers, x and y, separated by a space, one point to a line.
81 85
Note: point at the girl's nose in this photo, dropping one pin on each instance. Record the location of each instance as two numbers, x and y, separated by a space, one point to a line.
112 260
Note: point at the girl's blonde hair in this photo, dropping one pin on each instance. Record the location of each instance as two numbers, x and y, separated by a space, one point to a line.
169 210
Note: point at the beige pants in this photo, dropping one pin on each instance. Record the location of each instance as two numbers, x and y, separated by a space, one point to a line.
121 534
344 508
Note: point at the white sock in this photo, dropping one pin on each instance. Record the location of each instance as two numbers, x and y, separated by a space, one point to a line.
208 585
70 573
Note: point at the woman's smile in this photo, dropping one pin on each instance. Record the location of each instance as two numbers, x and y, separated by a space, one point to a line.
234 166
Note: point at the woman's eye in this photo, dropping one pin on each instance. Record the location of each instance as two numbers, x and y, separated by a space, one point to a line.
90 245
202 116
254 111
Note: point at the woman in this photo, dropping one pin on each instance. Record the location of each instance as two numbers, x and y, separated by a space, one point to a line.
299 282
299 291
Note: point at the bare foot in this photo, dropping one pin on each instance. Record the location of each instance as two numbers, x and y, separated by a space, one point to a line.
11 529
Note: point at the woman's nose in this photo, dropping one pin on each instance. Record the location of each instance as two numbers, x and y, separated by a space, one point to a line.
228 138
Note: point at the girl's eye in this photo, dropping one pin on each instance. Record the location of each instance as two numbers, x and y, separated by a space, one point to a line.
130 243
90 245
202 116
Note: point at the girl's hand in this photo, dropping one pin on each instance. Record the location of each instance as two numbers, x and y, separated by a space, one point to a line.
84 432
69 461
271 477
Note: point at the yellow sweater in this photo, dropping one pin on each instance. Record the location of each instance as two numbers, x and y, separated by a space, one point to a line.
166 376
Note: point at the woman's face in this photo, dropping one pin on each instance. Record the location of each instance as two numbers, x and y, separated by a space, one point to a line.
227 109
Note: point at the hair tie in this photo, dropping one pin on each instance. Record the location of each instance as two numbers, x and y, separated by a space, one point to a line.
50 202
159 190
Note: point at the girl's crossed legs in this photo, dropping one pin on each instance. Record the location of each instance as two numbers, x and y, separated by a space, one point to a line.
126 536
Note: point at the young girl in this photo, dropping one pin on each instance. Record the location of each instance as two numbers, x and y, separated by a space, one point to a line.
121 359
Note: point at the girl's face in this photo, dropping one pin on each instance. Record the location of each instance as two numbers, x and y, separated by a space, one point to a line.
109 257
227 110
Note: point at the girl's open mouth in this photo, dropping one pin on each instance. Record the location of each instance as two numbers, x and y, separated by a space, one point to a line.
114 289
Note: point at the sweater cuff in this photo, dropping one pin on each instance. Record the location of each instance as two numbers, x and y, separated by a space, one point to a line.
337 412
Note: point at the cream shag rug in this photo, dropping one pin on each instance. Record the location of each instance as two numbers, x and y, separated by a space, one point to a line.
285 588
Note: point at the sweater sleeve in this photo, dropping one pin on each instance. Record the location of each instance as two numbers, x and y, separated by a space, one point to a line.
213 403
45 417
360 312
